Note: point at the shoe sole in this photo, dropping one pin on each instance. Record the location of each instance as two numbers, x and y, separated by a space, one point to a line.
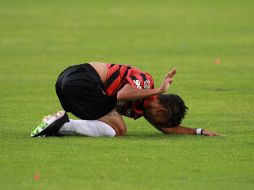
52 129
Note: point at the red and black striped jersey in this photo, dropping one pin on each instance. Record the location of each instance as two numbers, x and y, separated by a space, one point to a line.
117 77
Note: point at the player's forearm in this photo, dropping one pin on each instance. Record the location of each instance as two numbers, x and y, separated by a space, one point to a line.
179 130
131 93
188 131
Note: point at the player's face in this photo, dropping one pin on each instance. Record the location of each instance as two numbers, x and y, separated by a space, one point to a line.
155 111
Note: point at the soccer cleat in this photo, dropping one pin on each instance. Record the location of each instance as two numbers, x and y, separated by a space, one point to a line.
50 125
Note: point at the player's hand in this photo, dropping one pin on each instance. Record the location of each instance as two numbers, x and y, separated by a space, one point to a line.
209 133
167 81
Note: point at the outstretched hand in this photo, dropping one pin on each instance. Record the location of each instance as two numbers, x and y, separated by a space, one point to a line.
209 133
167 81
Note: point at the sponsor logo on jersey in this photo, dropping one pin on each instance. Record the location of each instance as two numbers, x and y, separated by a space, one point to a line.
147 84
138 84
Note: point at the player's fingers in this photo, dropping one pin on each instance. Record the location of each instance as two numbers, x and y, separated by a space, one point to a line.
213 134
171 73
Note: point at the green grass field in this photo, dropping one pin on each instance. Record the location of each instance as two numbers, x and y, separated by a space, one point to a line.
38 39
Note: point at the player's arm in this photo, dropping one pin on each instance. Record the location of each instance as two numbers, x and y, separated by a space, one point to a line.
187 131
129 92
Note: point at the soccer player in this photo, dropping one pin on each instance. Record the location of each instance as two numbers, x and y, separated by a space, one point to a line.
100 93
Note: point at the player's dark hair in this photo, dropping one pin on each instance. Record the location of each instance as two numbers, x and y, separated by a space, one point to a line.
176 111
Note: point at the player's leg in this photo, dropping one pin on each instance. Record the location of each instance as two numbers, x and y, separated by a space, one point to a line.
115 120
84 96
89 128
60 125
81 92
109 125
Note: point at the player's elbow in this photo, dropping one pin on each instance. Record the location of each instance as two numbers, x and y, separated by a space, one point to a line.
121 95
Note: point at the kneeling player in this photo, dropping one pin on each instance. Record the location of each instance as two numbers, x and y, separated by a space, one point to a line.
99 93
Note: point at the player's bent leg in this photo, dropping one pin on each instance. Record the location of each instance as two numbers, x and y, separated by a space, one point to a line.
109 125
115 120
89 128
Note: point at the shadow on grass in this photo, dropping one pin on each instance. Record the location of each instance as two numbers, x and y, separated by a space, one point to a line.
144 136
157 136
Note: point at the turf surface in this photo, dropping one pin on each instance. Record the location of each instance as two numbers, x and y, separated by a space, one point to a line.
38 39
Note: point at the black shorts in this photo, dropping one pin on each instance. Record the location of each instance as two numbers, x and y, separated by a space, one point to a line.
81 92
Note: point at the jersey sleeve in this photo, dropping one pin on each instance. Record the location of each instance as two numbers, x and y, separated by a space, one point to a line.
141 81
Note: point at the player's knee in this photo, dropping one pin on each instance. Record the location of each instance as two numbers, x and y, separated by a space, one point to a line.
116 121
121 129
119 126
